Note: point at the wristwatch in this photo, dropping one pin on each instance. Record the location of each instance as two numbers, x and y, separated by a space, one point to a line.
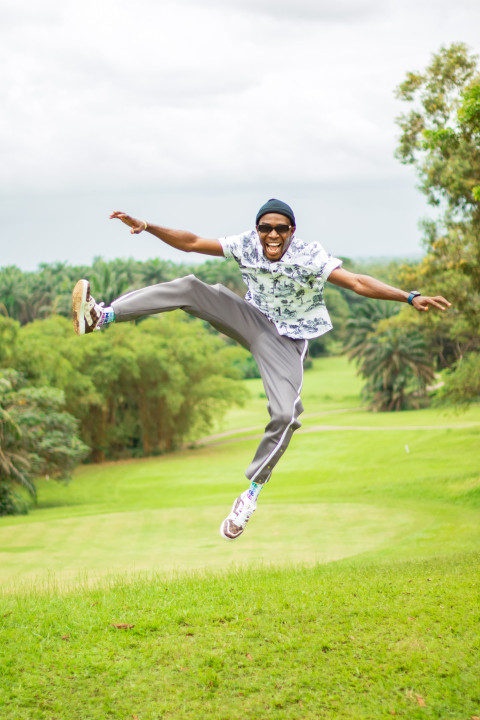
412 295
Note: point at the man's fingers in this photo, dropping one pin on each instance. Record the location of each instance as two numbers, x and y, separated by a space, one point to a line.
116 214
439 302
135 225
423 302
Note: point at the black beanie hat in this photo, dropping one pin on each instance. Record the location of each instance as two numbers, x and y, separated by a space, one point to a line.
275 206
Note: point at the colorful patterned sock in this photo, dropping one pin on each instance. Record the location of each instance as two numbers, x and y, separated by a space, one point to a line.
108 316
254 491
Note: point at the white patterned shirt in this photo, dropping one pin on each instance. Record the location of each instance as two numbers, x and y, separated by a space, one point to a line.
288 292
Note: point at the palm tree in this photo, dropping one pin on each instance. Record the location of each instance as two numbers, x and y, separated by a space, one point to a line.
392 358
367 316
111 279
152 272
14 292
14 463
398 368
225 272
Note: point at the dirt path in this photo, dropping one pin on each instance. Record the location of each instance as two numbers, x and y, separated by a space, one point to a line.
258 428
257 432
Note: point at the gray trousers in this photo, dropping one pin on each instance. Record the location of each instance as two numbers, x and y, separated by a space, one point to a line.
279 358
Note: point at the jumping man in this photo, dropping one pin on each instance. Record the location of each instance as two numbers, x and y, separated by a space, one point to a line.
282 310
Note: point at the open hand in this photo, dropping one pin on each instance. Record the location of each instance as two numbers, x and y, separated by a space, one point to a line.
137 225
423 302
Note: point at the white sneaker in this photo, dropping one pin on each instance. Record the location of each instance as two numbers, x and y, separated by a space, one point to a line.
86 312
234 524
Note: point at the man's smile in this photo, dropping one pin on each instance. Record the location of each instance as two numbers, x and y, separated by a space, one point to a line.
273 249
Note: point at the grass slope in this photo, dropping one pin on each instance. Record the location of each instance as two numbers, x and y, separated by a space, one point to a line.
277 629
353 640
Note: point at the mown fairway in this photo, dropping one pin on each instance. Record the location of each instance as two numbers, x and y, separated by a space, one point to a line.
277 630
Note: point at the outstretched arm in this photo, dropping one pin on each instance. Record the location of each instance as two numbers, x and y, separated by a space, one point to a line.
180 239
373 288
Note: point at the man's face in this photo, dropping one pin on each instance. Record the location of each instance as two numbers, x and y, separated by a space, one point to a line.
275 232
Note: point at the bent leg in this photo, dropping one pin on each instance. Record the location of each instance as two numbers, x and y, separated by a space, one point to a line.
280 360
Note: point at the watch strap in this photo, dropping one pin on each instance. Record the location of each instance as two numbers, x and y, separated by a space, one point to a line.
413 294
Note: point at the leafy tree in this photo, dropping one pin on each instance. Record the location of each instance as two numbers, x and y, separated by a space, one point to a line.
226 272
37 437
8 334
441 138
440 134
162 383
462 384
136 389
339 311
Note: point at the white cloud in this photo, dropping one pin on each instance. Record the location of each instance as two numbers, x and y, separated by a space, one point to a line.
114 96
101 92
296 10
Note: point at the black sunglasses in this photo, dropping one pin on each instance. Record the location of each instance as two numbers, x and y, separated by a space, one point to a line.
265 229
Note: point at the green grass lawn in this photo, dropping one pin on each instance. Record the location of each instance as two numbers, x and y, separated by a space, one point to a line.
354 592
353 640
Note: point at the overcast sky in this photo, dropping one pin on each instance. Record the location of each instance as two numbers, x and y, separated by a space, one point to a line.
192 115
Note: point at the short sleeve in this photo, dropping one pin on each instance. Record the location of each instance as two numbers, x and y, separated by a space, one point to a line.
323 262
231 246
332 264
238 247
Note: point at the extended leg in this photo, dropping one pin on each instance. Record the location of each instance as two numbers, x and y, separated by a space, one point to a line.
224 310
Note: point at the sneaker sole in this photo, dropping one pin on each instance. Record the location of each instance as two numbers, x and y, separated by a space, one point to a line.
227 537
222 532
79 298
222 526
